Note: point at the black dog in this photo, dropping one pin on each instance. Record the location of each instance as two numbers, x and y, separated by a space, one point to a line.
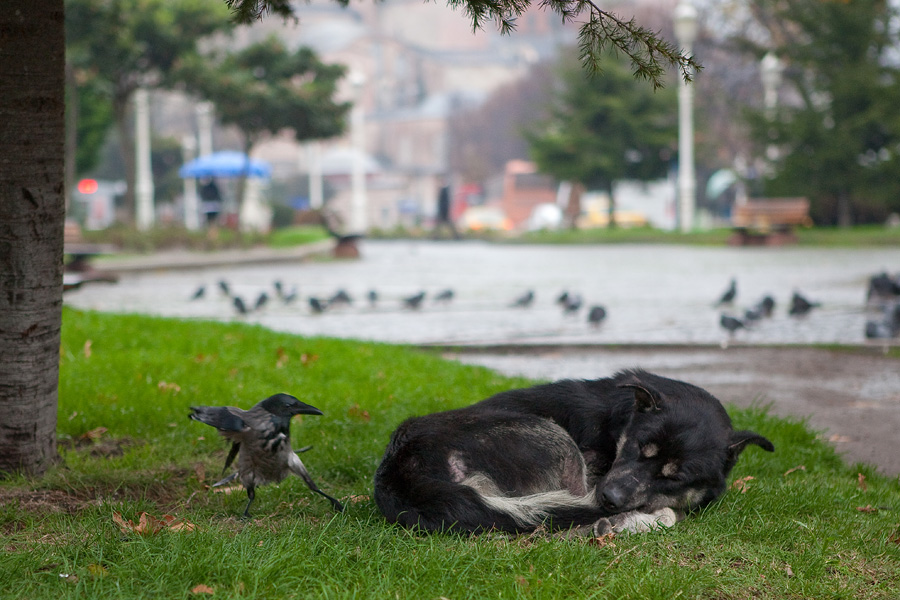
619 453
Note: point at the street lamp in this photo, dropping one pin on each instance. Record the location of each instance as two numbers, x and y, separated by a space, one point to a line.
685 18
358 201
770 69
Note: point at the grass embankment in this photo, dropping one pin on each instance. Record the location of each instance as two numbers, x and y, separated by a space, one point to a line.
863 235
803 526
130 240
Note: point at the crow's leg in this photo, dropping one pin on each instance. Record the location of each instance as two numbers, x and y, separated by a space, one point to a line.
251 495
297 467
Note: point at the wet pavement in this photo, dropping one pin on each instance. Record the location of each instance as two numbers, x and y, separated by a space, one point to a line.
652 294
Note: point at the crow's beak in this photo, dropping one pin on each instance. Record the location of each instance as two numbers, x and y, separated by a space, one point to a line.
306 409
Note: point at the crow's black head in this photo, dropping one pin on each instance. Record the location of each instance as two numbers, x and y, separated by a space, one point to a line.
285 405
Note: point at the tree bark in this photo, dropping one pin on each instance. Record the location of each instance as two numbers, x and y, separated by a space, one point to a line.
32 217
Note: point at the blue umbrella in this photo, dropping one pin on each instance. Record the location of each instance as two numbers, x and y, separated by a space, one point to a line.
227 163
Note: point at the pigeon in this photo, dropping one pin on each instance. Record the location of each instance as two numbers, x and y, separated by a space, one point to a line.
752 315
563 298
239 305
289 297
414 302
261 301
223 285
444 296
887 327
766 306
800 305
261 441
525 300
572 304
372 297
201 291
731 324
729 295
279 289
596 315
316 305
340 297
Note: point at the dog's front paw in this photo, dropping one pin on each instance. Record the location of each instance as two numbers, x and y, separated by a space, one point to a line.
603 527
635 522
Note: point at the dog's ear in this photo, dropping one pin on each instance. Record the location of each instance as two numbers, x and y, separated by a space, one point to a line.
645 399
740 439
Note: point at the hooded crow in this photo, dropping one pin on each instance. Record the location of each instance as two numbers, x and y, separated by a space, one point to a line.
261 441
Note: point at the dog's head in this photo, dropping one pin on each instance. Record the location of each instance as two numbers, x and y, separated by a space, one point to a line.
676 450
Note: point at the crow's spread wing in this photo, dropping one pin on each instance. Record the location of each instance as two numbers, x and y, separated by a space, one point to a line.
223 418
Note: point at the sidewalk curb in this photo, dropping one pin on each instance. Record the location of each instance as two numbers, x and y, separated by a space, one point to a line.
185 260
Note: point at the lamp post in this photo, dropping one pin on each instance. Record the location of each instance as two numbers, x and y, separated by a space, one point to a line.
358 175
770 69
685 18
143 187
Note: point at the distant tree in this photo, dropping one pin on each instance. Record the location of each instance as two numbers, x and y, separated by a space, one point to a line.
605 128
837 128
264 90
121 45
484 139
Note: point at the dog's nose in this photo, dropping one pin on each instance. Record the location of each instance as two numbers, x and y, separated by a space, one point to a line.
612 498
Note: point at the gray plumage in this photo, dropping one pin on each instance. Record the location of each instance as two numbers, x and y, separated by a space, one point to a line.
261 440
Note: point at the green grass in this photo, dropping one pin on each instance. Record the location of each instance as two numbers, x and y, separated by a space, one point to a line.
796 535
863 235
295 236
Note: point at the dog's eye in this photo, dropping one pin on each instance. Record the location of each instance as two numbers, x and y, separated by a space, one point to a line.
649 450
669 470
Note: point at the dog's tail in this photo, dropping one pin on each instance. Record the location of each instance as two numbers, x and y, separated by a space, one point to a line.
476 505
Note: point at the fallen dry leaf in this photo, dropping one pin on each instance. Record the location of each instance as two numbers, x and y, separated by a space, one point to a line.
867 509
94 434
797 468
97 570
895 537
357 498
150 525
789 571
839 439
202 589
307 359
357 412
741 484
87 348
168 387
230 489
282 357
69 577
861 482
73 415
604 540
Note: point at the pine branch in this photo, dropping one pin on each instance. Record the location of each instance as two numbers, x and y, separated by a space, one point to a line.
602 32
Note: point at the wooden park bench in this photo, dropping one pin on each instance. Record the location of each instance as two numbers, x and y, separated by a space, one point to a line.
78 269
768 221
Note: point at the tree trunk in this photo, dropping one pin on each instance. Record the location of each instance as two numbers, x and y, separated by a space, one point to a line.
844 209
122 116
32 215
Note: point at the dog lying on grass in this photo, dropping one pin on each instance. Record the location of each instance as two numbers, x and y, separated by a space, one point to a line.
624 453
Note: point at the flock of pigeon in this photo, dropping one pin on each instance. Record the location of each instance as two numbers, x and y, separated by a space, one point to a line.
570 303
882 305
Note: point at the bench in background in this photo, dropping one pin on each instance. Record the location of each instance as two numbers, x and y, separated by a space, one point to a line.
768 221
